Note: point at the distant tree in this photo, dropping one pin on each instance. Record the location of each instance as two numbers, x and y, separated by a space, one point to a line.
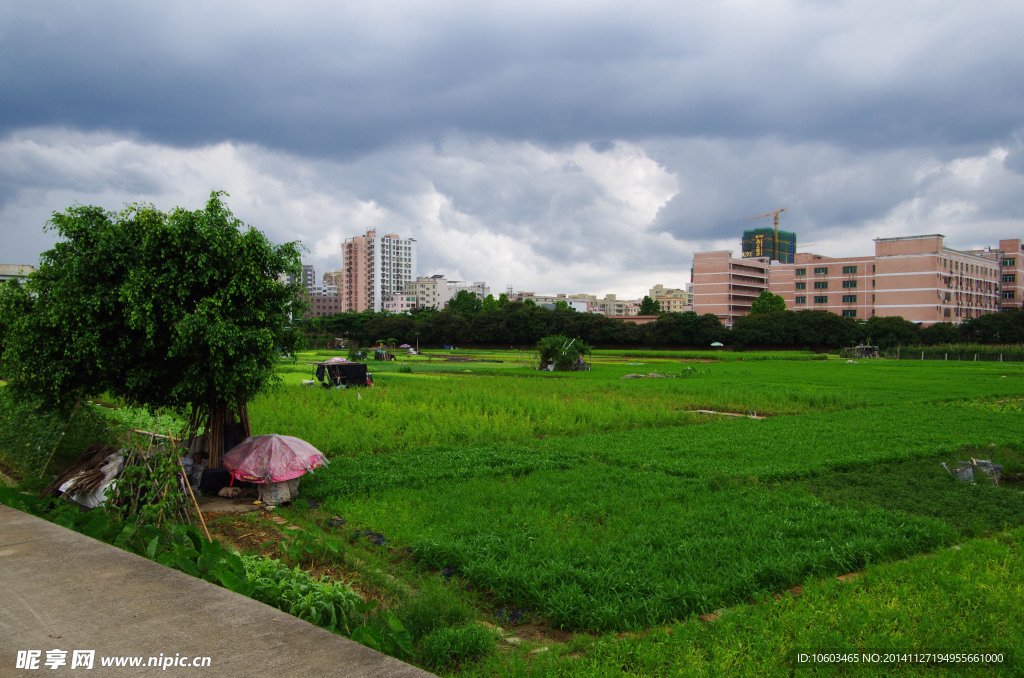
767 302
710 329
447 328
649 306
891 331
941 333
777 328
822 329
183 310
502 300
465 303
996 328
489 303
563 305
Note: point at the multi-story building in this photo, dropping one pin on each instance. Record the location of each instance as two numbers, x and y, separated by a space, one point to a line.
1011 267
436 291
672 300
307 278
610 305
400 303
550 301
769 243
915 277
324 303
726 286
374 269
814 282
921 280
13 271
334 279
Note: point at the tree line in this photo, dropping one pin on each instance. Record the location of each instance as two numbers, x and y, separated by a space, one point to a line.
523 324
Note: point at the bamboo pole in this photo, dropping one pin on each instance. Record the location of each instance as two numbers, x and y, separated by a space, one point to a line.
191 494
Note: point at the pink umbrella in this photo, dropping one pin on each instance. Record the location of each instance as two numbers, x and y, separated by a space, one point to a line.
272 458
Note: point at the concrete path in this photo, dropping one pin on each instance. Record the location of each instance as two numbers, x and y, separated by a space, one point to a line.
62 592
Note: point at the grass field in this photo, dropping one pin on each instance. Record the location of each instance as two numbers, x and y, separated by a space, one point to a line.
617 510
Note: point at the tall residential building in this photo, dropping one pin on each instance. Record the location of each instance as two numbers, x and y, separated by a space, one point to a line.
307 278
915 277
761 242
375 269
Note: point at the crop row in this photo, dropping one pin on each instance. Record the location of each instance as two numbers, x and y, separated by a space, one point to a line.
766 449
601 547
519 405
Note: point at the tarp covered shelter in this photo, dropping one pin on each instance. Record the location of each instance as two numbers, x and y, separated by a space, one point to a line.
341 372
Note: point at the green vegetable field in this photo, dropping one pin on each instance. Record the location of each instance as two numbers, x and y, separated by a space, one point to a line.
623 509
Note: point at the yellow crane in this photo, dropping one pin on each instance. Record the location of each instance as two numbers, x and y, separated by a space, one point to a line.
775 241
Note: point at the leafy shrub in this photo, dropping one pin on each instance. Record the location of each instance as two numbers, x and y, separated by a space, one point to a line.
301 548
562 351
332 605
449 646
432 608
32 435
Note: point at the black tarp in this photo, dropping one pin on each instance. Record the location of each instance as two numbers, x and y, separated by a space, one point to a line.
343 374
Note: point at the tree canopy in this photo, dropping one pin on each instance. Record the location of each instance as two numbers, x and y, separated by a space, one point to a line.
767 302
179 310
465 303
649 306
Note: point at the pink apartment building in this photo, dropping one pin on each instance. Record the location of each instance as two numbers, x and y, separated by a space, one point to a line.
915 277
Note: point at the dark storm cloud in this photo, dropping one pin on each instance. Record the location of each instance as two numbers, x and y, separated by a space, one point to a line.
331 80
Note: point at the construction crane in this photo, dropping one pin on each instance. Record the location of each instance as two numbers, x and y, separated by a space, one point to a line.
775 241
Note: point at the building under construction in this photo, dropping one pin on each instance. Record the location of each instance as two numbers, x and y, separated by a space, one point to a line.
761 242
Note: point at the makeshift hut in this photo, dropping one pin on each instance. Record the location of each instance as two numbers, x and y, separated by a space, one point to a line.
342 373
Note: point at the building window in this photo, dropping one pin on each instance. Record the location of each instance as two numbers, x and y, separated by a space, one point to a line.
849 284
801 271
821 300
849 298
1009 277
945 313
849 270
822 270
801 300
821 285
801 286
1008 294
1011 262
850 314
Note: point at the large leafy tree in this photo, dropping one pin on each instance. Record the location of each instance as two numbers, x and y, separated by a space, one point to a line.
767 302
465 303
649 306
183 310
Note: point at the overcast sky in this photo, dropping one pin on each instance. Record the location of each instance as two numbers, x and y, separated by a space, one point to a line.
556 146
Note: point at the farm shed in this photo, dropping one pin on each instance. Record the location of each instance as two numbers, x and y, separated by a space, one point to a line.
339 372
